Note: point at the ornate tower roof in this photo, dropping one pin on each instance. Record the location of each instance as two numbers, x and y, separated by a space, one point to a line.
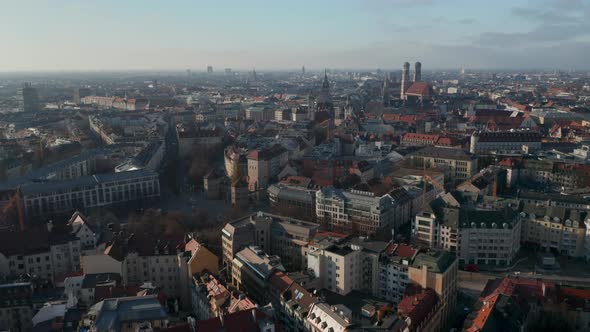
324 100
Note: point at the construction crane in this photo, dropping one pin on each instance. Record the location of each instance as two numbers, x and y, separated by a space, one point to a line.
425 178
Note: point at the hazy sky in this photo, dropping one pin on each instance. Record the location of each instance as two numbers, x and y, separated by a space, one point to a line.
281 34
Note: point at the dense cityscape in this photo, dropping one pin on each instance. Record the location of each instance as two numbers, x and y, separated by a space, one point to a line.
401 197
398 200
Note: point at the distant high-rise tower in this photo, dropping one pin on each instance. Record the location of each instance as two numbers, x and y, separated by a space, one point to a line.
405 79
30 98
80 93
189 73
417 72
210 69
303 70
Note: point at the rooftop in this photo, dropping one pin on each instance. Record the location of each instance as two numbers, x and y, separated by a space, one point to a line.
435 261
260 262
443 153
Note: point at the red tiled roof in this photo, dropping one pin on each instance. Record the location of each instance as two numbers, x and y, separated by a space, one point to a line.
418 306
419 89
280 281
241 321
405 250
445 141
423 137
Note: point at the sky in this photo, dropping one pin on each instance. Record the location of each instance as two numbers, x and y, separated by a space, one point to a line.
101 35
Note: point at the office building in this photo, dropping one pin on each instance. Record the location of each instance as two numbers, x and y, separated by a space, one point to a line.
50 197
265 164
30 98
251 270
506 142
456 164
484 237
47 255
364 212
276 235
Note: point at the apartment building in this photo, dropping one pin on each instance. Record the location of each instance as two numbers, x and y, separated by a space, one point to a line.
45 254
103 102
356 311
323 317
84 230
86 289
559 175
50 197
294 302
250 272
426 228
265 164
556 228
254 320
420 310
260 113
210 297
457 165
167 261
235 161
475 236
393 271
276 235
573 201
117 128
16 307
346 264
339 268
438 271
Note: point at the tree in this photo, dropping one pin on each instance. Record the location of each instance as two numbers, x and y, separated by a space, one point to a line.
201 161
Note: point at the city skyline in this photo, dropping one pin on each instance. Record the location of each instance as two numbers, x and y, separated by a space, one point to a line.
67 35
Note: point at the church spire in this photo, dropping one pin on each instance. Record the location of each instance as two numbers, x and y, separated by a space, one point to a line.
326 84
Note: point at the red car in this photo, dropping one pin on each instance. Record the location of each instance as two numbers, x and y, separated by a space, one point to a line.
471 268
